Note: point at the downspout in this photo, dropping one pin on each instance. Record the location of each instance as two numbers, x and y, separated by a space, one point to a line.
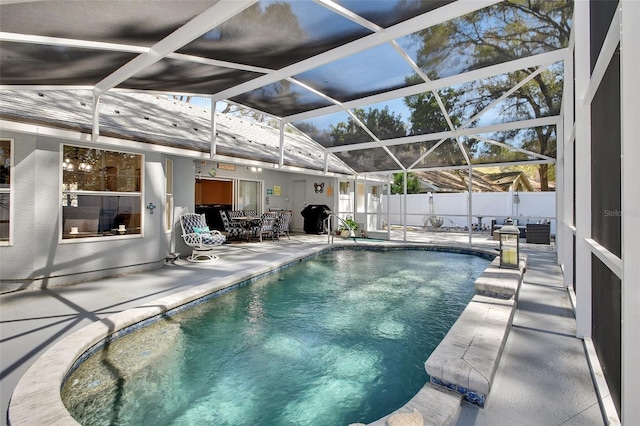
281 159
470 205
213 148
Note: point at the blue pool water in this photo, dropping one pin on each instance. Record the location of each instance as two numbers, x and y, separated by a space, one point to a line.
333 340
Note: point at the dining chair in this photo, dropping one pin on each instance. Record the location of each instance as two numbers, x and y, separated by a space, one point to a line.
284 218
267 225
233 229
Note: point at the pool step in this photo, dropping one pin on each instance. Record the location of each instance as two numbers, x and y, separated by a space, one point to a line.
467 359
432 406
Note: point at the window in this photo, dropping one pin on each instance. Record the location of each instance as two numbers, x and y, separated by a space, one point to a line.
344 188
361 192
101 193
5 189
168 193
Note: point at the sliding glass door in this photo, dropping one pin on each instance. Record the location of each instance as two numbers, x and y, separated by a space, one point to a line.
249 195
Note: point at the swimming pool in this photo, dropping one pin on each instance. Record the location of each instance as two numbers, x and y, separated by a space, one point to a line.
336 339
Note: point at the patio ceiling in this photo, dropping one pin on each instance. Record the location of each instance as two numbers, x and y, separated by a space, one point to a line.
382 85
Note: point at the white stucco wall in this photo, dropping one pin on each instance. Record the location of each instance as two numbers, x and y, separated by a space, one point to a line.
37 257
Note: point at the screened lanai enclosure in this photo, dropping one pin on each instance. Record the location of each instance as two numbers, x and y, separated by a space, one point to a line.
377 87
385 86
352 90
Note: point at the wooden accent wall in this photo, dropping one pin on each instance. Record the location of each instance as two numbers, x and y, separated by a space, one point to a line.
214 192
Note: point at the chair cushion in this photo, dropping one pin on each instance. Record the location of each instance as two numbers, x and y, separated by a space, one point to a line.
202 230
213 239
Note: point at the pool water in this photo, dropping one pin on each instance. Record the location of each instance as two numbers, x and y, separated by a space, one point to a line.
333 340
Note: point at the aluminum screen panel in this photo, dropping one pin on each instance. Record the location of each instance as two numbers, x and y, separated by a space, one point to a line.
138 23
350 74
407 154
366 160
281 99
490 36
539 96
480 152
446 154
333 130
56 65
276 34
361 74
537 140
391 12
186 77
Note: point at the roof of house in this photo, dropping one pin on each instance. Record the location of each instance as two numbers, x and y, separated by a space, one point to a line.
159 120
458 181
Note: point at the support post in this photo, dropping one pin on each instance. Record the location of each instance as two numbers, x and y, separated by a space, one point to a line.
583 171
630 108
404 212
564 217
95 127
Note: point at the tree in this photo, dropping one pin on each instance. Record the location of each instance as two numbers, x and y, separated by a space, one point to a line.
180 98
382 123
242 112
541 97
413 183
496 34
427 117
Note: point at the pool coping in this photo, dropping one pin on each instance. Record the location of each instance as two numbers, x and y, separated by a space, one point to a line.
36 398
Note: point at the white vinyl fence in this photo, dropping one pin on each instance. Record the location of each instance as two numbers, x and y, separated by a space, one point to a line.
452 208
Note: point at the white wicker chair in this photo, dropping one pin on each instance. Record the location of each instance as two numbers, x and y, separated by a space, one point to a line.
196 235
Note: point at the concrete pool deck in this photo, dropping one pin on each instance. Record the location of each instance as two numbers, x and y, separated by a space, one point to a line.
543 377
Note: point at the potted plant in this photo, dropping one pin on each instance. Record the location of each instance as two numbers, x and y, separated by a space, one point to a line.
346 232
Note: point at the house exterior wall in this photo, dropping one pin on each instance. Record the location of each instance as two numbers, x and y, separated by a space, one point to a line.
271 178
18 258
39 258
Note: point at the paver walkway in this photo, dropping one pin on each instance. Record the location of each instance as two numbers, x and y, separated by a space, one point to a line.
543 378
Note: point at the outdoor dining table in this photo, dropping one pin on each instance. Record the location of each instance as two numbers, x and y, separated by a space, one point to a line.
247 222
